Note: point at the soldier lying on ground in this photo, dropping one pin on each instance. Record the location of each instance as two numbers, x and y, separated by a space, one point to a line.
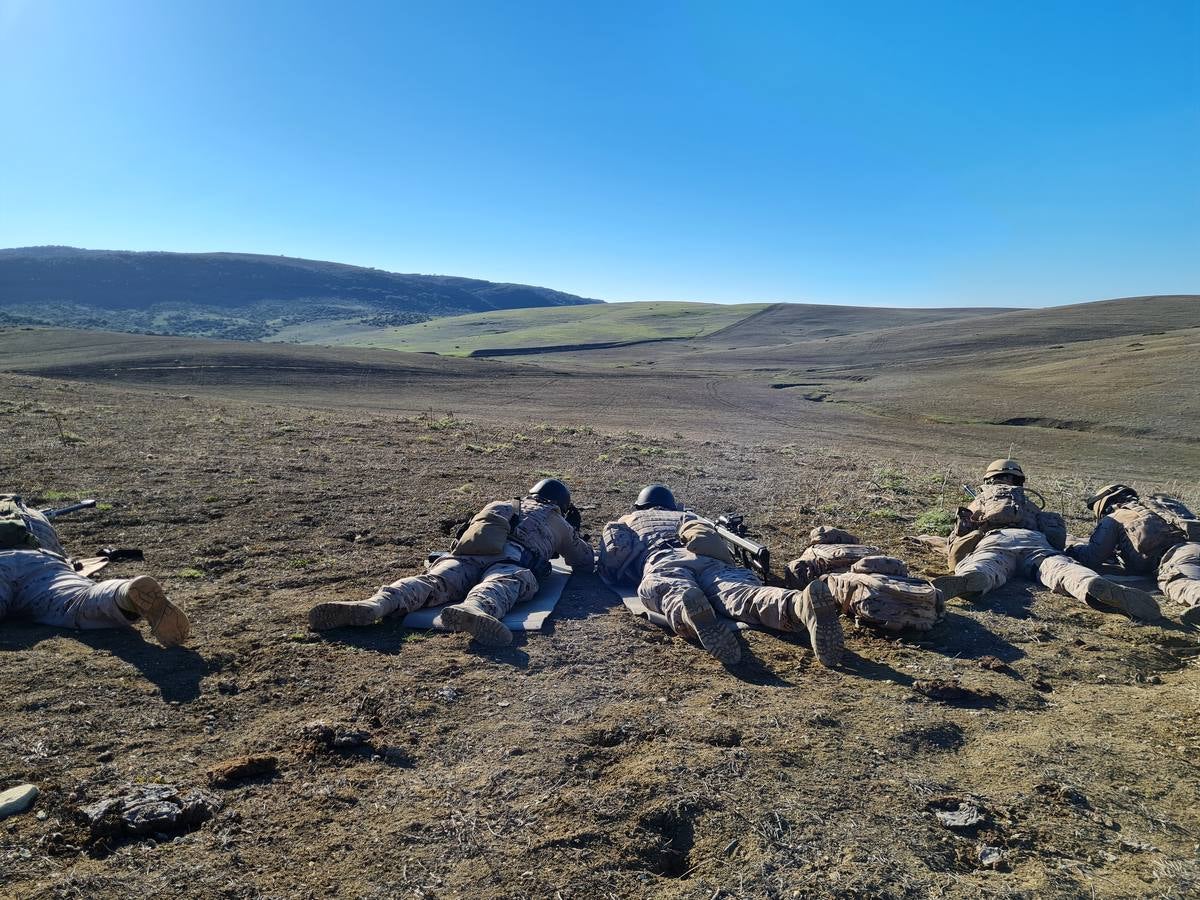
494 565
874 588
39 582
1147 537
685 572
1004 533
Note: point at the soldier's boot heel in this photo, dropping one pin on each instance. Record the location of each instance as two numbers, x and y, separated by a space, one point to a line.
969 584
351 613
817 609
714 637
485 628
1131 601
168 623
1191 616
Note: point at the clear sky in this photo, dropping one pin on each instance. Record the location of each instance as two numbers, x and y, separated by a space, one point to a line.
896 153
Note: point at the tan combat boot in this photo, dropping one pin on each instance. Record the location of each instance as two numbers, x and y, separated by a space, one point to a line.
714 637
1109 595
470 617
145 597
972 583
356 613
815 608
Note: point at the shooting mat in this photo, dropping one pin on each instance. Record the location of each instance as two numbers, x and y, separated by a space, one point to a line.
530 615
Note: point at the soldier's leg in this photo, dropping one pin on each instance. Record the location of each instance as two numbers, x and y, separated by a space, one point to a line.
1064 575
445 581
673 592
502 587
990 566
51 592
737 593
1179 579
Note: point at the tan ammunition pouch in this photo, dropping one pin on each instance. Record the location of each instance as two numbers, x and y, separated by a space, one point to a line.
488 532
701 537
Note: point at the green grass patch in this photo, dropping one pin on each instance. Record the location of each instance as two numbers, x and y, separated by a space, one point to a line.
189 573
934 521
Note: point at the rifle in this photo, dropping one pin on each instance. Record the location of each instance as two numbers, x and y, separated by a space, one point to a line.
74 507
753 555
969 491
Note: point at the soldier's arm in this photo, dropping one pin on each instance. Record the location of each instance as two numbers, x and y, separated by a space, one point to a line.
579 555
1100 546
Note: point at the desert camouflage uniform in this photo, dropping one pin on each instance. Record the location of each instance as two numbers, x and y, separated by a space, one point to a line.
1006 552
42 585
1146 544
496 584
643 548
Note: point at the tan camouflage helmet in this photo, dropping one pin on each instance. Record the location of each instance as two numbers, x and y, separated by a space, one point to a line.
1004 467
1100 500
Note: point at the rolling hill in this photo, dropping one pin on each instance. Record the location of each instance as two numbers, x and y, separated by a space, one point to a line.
234 295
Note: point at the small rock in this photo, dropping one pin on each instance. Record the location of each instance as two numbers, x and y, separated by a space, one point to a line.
957 813
106 757
449 694
992 663
941 689
990 857
17 799
149 809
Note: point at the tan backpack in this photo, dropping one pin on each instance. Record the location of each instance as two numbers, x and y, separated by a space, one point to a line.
701 537
488 531
1176 513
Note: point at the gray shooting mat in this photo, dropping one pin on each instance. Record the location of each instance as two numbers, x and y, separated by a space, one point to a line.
530 615
634 604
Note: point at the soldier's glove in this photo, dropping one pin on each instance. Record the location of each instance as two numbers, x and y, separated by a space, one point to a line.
573 517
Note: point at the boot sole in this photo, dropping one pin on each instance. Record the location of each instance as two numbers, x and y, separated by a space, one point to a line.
1191 617
168 623
823 624
957 586
325 616
489 631
1130 601
718 640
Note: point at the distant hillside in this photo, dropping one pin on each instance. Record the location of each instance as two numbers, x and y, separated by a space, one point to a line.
234 295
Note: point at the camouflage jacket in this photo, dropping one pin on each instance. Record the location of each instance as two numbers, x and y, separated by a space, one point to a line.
625 543
543 531
39 526
1134 534
1001 506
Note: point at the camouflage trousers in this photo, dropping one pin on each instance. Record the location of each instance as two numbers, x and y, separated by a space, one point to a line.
1009 552
45 588
492 584
1179 574
733 591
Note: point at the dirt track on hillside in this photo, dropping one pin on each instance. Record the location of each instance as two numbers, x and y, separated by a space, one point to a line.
601 758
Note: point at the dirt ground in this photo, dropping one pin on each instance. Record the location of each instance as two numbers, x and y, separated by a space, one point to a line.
600 758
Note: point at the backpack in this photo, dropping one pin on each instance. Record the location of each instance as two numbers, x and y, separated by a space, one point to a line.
14 530
1003 506
487 532
701 537
1175 513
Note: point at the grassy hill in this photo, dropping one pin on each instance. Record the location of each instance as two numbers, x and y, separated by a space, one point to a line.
637 326
536 329
235 295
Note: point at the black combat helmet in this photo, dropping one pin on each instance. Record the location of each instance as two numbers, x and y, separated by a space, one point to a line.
552 491
655 496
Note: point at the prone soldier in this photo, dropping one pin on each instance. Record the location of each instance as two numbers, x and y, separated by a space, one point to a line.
1157 535
494 565
1005 533
685 572
39 581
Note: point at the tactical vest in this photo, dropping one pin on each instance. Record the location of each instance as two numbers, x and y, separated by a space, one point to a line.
1004 506
657 526
1150 534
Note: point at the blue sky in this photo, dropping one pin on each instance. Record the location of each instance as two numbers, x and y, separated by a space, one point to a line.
892 153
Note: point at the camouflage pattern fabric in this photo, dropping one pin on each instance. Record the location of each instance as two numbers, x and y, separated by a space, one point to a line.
495 584
1132 532
891 602
43 586
1179 574
733 591
1007 552
626 543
